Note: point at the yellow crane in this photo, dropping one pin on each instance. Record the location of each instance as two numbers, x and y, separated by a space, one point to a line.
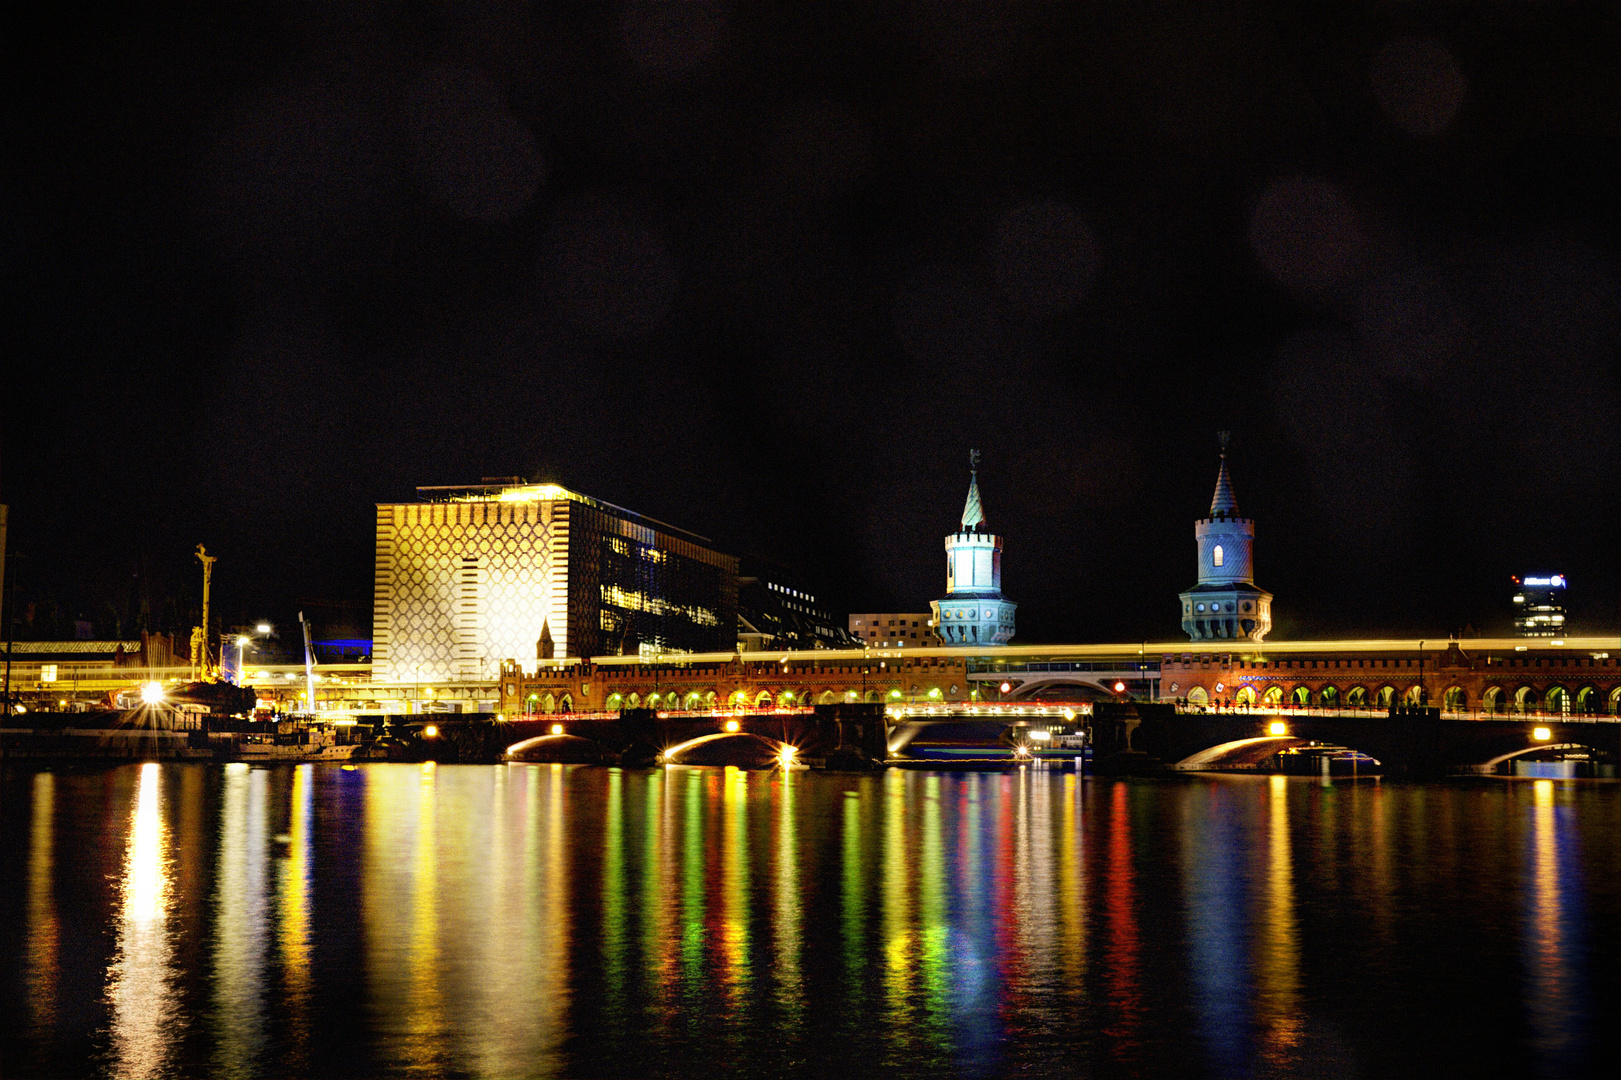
202 662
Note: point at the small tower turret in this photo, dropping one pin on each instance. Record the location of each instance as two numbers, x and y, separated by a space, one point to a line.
1225 603
973 611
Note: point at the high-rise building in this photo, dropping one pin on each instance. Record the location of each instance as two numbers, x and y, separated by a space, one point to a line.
777 610
1539 605
973 611
470 576
1225 603
894 630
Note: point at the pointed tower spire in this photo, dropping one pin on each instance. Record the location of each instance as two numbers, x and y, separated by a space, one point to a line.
973 515
545 647
1224 504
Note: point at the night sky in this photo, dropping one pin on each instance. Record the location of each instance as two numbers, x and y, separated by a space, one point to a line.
767 272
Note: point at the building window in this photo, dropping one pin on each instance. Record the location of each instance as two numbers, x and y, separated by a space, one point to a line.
1219 556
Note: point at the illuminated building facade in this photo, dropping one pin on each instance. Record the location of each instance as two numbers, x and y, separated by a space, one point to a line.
1225 603
973 611
1539 606
894 629
470 576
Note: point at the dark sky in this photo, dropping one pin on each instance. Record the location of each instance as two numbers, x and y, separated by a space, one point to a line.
768 271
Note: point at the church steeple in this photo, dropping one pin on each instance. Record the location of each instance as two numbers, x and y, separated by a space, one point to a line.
974 611
973 514
1224 504
1226 603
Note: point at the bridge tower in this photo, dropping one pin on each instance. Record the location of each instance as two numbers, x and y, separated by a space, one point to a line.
973 611
1225 603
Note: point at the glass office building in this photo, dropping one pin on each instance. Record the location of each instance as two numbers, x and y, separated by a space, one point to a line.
469 576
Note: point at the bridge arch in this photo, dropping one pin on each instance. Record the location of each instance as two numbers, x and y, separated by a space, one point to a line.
1489 765
1454 699
566 704
749 748
1615 701
615 701
1198 696
1587 700
1557 699
1492 700
1386 697
1245 695
1526 699
1330 697
763 700
1357 696
739 699
1238 753
1301 695
1273 695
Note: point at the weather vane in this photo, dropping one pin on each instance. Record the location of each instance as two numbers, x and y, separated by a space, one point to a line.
973 460
1224 436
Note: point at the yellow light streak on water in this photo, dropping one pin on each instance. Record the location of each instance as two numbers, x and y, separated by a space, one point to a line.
239 906
1277 962
853 900
936 927
43 930
658 896
786 909
145 1014
294 933
1071 891
734 921
426 1020
614 945
900 944
1552 993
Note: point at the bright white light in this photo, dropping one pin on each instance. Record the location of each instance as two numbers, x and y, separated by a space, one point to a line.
1541 734
152 693
557 729
731 725
431 731
1041 736
1277 727
262 628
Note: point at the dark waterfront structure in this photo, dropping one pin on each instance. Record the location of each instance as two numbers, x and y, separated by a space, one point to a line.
776 609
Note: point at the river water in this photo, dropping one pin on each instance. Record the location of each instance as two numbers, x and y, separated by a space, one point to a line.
544 920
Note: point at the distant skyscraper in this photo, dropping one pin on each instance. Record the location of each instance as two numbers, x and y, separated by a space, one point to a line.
1539 605
973 611
1225 603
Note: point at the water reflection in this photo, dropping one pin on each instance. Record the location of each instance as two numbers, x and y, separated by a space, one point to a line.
145 1017
1554 923
43 928
240 914
787 908
294 903
1214 852
547 920
1277 957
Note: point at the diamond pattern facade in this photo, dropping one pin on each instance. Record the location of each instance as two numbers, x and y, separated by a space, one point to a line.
469 581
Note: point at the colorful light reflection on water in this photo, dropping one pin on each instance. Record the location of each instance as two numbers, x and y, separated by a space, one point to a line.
539 920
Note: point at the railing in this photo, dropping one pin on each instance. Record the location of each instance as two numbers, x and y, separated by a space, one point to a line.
1374 712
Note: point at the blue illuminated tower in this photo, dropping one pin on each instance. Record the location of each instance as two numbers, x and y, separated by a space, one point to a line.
973 611
1225 603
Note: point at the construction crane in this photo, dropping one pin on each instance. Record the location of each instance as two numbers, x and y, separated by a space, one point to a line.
202 661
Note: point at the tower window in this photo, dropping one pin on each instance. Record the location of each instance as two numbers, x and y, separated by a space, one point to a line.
1219 555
